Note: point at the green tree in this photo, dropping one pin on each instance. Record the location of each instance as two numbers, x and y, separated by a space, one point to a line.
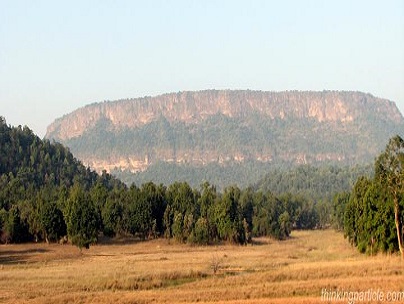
378 221
178 227
3 221
155 196
200 234
52 221
262 216
181 211
285 225
323 211
81 218
14 228
29 214
140 209
168 220
353 229
112 217
339 204
99 195
228 216
389 169
247 211
206 202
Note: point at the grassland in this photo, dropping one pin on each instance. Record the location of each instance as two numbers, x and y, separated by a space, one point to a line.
291 271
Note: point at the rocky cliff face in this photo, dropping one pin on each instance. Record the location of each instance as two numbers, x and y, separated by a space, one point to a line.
193 107
202 127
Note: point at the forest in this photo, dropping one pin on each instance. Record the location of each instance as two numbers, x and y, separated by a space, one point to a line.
321 181
48 195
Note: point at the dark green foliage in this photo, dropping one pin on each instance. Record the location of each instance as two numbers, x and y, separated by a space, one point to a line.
112 217
247 212
3 220
390 173
241 174
181 211
14 228
318 183
35 181
206 201
154 196
285 226
200 234
81 218
45 194
228 216
339 204
267 212
370 218
52 222
140 213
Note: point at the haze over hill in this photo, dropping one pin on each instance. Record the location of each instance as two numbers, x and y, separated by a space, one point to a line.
229 128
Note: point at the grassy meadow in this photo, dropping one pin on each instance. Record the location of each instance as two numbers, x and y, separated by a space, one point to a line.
270 271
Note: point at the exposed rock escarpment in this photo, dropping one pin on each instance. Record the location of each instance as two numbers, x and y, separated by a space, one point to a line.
203 127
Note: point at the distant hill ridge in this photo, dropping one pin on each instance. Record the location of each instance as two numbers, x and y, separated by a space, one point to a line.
193 107
227 126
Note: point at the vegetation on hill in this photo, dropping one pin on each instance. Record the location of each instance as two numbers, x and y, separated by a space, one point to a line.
240 174
192 133
317 183
39 181
46 194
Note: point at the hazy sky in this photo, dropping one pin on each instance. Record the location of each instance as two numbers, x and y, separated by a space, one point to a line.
56 56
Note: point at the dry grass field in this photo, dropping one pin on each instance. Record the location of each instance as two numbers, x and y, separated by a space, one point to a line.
292 271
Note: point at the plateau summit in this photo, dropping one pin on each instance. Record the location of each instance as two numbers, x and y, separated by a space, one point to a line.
229 127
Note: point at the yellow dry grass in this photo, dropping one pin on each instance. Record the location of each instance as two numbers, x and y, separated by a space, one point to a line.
292 271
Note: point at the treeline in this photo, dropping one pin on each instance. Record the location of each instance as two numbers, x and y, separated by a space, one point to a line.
240 174
372 214
200 216
320 183
46 194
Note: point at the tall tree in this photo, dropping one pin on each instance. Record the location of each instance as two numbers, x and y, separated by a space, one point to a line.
52 222
155 196
390 171
81 218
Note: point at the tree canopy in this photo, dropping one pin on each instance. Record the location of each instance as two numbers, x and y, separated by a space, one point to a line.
373 212
46 194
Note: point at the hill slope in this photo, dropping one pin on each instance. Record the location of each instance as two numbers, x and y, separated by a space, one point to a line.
29 164
196 129
39 181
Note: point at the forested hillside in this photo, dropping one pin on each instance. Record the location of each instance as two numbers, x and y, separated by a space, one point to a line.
244 133
33 163
47 195
36 180
318 183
